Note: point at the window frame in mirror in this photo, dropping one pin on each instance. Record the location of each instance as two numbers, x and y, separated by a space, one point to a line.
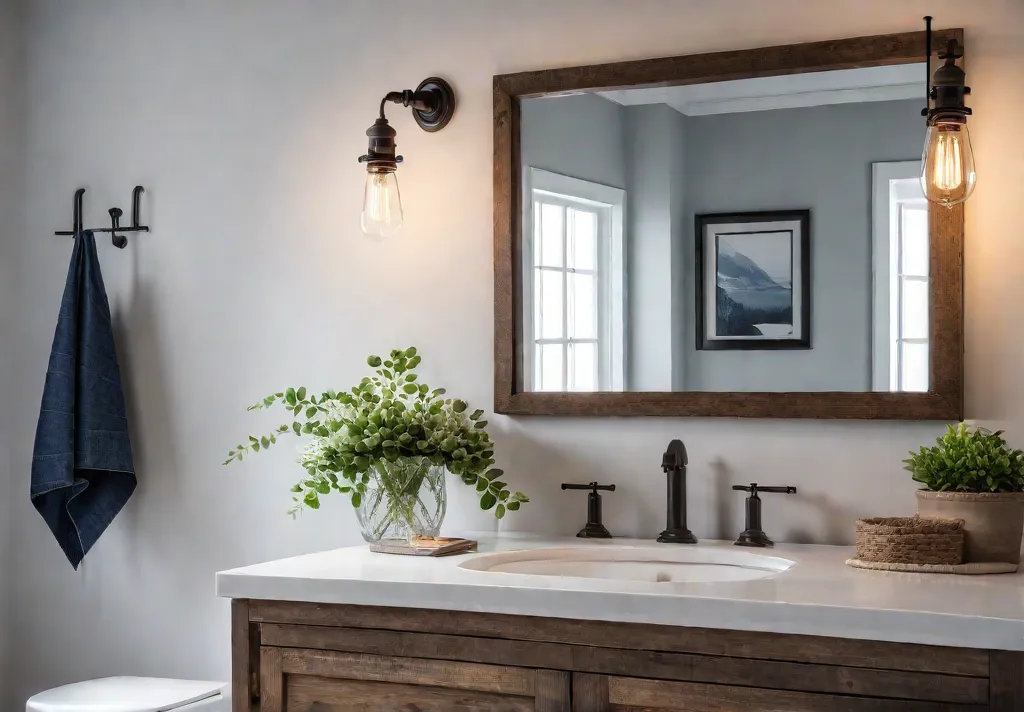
944 399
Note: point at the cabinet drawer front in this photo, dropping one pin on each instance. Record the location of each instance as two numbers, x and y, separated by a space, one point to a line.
299 680
601 693
320 694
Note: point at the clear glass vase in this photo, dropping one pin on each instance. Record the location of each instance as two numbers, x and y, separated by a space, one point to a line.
403 499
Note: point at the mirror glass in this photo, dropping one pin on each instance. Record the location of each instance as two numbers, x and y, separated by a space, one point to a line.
757 235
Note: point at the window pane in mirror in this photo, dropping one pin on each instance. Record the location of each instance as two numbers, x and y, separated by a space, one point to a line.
582 306
551 314
915 309
548 359
915 241
551 234
914 367
582 233
538 307
583 366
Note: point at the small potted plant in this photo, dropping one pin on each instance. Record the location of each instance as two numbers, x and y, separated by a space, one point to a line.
387 444
971 474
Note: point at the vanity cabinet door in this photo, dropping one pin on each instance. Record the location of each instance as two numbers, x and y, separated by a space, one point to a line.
606 693
300 680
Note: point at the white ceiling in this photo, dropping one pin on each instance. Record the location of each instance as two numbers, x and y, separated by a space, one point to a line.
901 81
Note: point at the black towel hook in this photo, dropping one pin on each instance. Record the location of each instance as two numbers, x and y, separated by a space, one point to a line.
119 241
115 217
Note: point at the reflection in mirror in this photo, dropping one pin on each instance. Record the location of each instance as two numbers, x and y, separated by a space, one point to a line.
764 234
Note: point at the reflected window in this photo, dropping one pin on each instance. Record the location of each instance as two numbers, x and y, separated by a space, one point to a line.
574 276
901 275
908 370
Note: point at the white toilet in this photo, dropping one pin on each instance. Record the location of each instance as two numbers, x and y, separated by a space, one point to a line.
134 694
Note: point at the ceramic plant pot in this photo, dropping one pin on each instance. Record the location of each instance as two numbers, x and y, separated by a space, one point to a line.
993 521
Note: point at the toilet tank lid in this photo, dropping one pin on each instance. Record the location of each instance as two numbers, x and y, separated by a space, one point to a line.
125 694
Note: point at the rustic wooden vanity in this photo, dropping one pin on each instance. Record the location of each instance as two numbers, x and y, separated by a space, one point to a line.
300 657
352 630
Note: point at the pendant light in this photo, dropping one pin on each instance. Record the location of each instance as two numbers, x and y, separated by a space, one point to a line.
948 175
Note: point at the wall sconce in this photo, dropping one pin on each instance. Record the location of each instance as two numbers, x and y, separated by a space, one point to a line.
433 104
947 164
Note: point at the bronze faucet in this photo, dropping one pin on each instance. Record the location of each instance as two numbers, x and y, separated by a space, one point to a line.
674 462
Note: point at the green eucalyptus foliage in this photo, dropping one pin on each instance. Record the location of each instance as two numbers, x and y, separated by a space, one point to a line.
388 417
966 460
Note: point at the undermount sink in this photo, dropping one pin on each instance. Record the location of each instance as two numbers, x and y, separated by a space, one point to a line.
664 564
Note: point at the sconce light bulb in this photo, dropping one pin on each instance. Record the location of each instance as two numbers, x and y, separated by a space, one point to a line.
948 176
382 205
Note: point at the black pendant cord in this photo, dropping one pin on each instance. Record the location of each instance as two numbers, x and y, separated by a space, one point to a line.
118 240
927 65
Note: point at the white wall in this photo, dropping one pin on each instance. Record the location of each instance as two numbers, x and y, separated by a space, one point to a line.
12 134
244 119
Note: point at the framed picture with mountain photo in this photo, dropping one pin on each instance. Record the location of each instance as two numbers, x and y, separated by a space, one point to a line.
753 280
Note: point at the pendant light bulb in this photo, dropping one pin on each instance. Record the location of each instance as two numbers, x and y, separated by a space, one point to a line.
382 205
948 176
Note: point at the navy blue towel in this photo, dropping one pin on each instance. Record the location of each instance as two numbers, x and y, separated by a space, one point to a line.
82 471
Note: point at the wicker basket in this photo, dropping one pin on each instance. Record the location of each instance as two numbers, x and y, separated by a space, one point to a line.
910 540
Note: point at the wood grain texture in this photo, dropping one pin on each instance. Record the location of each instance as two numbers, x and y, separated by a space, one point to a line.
272 692
797 677
412 671
829 55
695 697
317 694
638 663
492 651
633 636
944 401
1007 683
552 691
946 330
590 693
506 247
244 659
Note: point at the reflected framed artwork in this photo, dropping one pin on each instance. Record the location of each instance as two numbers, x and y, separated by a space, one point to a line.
753 280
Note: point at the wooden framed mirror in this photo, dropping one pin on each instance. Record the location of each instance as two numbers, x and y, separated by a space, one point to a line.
655 222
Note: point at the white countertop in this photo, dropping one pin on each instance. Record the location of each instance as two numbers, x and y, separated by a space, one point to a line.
818 596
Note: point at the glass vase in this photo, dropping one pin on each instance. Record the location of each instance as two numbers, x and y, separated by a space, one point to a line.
403 499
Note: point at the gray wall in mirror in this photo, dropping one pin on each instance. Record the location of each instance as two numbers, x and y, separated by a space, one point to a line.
674 167
579 136
814 157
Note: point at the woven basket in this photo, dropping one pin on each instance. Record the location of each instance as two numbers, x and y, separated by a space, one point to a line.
910 540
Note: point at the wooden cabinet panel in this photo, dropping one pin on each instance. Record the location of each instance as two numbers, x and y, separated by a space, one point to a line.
298 680
1007 684
601 693
318 694
633 636
681 667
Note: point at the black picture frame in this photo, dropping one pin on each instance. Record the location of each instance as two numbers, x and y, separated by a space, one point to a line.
702 222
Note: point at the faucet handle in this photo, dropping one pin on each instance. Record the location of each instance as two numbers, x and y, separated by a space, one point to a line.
594 528
591 486
754 488
753 534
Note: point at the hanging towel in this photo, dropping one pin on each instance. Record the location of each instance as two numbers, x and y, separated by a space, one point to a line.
82 471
